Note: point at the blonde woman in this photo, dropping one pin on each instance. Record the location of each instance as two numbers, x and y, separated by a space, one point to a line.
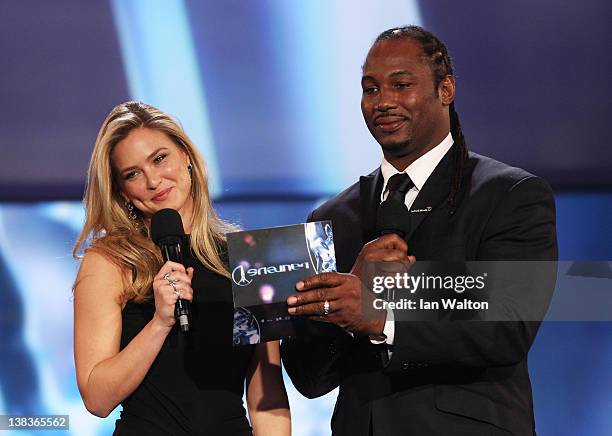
128 348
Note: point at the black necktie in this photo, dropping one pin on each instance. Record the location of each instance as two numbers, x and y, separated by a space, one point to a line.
398 185
393 216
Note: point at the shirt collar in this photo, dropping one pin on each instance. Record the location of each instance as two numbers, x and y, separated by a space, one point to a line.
419 170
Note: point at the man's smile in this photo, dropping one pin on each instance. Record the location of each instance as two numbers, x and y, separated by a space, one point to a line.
389 123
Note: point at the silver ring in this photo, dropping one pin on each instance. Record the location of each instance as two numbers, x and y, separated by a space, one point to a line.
177 292
325 308
169 279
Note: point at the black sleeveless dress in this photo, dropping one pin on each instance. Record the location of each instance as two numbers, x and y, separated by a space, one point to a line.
196 383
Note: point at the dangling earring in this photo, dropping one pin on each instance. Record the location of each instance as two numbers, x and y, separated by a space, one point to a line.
190 171
130 208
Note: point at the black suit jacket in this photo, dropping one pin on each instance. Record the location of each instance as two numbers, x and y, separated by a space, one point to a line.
443 378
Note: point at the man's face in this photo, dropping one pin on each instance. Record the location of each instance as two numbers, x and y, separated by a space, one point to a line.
403 110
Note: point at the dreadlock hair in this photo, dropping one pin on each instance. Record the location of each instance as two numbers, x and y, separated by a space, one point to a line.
436 54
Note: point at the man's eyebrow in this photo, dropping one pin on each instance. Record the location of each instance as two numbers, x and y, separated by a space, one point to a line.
364 78
401 73
148 158
393 74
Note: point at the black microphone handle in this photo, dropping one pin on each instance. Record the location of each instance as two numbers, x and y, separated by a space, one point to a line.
172 252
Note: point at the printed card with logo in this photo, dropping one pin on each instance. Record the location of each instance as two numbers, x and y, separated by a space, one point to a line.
265 265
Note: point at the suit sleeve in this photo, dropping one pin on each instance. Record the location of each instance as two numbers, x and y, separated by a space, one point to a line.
314 358
520 228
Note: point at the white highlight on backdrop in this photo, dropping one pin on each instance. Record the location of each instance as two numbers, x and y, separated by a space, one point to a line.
162 68
320 46
324 44
39 239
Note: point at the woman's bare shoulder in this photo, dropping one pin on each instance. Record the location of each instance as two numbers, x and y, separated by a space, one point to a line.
100 274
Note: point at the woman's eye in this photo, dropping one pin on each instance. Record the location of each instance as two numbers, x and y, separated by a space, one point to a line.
159 158
129 175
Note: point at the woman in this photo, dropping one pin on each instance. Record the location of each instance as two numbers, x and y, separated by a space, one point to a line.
128 348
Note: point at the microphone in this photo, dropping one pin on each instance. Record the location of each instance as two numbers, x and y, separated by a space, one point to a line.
167 233
392 217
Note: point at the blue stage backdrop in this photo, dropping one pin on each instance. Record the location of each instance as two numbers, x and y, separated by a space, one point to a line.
278 81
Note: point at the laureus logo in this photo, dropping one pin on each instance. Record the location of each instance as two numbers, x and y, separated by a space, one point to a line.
242 280
240 275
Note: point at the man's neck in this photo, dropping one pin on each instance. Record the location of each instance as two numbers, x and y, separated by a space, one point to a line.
402 162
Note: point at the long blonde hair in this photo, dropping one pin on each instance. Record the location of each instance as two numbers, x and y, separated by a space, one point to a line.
126 242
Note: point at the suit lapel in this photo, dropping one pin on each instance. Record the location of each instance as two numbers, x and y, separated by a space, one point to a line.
370 188
435 190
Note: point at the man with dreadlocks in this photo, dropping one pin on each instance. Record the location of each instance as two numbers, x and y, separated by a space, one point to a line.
421 378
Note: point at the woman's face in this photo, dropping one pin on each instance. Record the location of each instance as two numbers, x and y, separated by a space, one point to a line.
153 174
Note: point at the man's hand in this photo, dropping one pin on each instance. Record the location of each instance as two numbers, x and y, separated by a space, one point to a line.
349 305
343 295
387 248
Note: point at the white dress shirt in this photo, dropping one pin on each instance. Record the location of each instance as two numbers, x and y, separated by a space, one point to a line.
419 171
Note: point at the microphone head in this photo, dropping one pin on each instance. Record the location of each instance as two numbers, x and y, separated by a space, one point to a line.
392 217
166 227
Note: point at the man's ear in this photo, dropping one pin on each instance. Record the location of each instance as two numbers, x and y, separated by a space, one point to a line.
446 90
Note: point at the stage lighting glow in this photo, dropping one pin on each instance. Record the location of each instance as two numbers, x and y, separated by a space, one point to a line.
162 68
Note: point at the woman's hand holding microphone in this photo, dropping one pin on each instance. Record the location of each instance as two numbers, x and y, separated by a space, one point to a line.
172 282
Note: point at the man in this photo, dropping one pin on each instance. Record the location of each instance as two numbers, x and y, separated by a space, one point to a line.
421 378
